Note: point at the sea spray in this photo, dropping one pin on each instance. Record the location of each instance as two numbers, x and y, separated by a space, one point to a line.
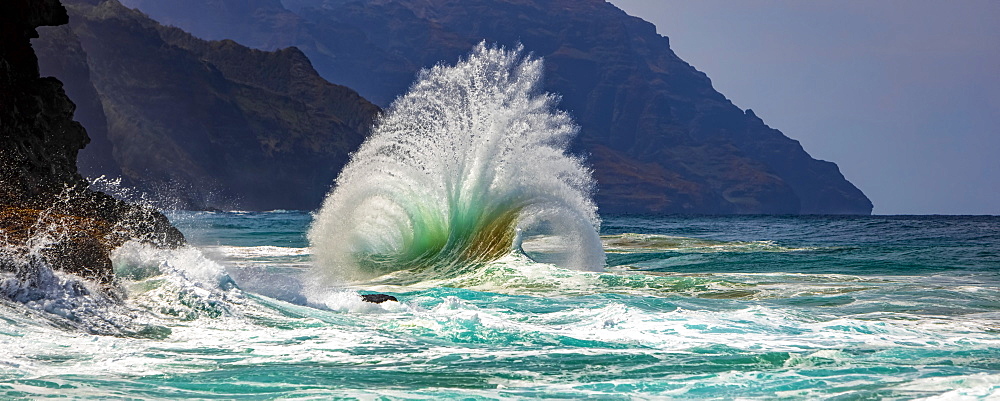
455 174
130 296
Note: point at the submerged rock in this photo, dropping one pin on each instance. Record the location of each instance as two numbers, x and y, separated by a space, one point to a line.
378 298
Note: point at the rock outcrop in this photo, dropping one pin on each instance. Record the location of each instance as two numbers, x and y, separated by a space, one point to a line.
203 124
46 209
660 137
378 298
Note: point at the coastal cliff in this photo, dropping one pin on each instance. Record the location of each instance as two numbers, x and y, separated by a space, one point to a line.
203 124
46 208
660 138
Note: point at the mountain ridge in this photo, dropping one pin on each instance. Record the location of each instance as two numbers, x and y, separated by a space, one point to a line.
210 124
660 138
49 217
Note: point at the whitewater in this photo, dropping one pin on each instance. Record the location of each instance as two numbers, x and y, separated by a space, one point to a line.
461 168
466 206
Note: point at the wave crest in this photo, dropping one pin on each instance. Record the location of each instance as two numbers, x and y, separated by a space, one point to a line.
455 171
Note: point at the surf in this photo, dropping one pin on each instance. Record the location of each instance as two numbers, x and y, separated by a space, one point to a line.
455 174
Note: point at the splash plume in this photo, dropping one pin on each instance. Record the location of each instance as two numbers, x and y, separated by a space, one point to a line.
453 174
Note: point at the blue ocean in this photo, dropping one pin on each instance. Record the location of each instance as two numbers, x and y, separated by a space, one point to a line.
809 307
465 207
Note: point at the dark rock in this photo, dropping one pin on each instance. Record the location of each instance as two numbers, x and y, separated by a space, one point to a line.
61 55
68 243
660 137
378 298
206 125
44 201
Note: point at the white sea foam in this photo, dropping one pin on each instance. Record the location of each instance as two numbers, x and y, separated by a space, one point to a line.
346 331
141 261
980 386
347 300
247 252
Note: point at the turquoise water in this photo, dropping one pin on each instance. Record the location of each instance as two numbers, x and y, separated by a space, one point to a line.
687 307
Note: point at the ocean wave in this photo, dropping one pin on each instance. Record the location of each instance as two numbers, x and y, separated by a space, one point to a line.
455 172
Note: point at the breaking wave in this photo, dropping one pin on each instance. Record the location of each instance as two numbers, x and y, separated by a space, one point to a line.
473 159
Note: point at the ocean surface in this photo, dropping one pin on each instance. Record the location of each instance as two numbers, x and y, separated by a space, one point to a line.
465 204
702 307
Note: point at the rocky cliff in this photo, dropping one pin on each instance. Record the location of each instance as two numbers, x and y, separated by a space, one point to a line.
203 124
46 210
660 137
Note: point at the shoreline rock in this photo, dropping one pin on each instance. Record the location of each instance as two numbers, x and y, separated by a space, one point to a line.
201 124
46 209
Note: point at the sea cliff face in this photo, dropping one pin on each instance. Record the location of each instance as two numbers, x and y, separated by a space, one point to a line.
46 209
661 139
203 124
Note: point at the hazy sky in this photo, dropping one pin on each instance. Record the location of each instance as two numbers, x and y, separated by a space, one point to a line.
904 95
